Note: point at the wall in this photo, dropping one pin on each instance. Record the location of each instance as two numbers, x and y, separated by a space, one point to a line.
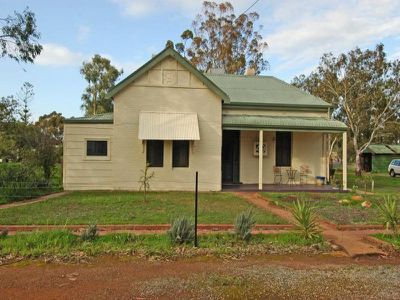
275 113
167 87
80 172
307 148
380 162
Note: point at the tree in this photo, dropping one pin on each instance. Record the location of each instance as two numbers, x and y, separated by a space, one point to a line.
53 123
19 37
364 89
8 111
101 76
24 96
220 39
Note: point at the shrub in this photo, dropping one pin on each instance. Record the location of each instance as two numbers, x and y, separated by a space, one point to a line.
181 231
306 219
389 212
244 223
3 232
90 233
144 181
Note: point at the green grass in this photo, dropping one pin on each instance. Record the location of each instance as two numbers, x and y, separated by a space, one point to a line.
328 207
64 243
395 241
130 208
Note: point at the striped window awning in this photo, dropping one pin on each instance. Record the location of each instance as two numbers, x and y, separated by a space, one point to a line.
156 125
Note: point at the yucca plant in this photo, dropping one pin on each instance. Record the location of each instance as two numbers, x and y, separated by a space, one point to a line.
90 233
181 231
244 223
390 214
306 219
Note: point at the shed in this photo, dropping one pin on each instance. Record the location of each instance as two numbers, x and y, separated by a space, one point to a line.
376 157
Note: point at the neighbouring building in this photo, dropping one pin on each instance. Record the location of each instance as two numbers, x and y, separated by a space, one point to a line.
180 120
376 157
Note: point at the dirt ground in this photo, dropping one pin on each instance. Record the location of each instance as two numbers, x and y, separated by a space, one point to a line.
261 277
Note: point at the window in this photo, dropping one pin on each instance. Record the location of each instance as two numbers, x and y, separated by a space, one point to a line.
283 149
180 154
96 148
155 153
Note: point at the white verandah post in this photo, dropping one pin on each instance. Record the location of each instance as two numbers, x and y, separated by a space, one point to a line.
260 159
344 160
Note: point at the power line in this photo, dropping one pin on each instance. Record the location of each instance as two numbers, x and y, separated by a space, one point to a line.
255 2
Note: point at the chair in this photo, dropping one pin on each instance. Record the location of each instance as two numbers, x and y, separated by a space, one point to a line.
304 171
291 176
277 175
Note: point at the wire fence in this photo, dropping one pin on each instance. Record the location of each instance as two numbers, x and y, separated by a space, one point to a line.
11 191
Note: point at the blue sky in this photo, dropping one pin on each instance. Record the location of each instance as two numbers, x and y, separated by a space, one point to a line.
129 31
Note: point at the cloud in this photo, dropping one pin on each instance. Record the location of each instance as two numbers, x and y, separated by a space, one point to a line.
83 33
301 31
142 8
58 56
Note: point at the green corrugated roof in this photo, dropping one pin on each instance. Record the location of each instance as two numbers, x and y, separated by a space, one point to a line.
100 118
281 123
380 149
263 90
395 148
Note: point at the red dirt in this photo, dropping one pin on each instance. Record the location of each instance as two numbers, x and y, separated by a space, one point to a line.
116 278
30 201
352 242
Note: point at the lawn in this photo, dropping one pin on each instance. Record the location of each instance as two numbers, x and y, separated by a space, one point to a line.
63 244
130 208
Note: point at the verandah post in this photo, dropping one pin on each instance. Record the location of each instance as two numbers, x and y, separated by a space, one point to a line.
344 160
260 160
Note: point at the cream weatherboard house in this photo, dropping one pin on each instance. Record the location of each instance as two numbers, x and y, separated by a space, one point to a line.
179 120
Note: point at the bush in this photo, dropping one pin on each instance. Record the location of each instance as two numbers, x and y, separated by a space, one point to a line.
3 232
20 182
90 233
244 223
389 213
306 219
181 231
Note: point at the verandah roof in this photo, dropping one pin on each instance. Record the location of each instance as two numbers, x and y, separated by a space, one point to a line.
254 122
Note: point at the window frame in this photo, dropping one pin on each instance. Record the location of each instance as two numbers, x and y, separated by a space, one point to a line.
187 142
290 152
162 153
97 157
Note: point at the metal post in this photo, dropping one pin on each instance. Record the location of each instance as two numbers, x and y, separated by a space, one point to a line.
195 209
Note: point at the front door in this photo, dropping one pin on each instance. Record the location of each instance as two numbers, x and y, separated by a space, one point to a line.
230 156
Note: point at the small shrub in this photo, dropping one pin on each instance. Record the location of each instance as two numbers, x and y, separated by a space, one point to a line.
90 233
144 181
306 219
389 212
3 232
181 231
244 223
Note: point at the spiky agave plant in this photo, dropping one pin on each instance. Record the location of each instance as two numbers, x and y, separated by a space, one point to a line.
244 223
306 219
181 231
389 213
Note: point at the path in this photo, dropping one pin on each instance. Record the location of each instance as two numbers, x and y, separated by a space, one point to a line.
261 277
352 242
31 201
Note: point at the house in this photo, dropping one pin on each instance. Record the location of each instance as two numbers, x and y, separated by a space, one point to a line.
376 157
180 120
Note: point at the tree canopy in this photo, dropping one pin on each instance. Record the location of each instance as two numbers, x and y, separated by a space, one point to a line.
101 76
220 39
19 37
364 88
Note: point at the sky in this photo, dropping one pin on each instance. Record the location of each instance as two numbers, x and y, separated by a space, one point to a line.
129 32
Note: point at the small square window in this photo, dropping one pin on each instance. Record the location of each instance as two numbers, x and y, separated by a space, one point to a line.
180 154
155 153
96 148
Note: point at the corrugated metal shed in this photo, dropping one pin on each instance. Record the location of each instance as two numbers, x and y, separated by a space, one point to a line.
168 126
281 123
378 149
395 148
264 90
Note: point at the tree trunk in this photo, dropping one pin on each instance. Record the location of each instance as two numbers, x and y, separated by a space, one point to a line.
358 163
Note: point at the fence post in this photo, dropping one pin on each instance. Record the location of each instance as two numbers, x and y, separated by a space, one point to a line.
195 209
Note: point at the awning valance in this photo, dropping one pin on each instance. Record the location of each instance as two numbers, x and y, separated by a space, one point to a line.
257 122
156 125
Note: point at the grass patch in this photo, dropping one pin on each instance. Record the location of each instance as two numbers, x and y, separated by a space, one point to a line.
327 206
394 240
129 208
64 244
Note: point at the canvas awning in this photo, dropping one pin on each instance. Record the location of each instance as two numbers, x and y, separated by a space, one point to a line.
253 122
156 125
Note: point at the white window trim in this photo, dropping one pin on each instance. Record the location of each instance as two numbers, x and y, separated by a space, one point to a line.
98 158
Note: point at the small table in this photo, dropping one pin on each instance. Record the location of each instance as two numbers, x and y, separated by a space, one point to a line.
291 176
